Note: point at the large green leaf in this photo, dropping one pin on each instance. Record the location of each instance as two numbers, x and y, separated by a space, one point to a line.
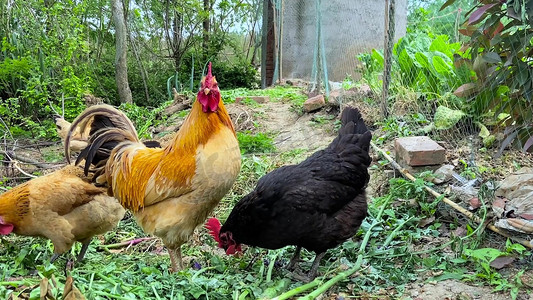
377 57
446 118
422 59
440 65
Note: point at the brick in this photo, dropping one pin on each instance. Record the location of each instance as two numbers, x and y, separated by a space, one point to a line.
314 103
258 99
419 151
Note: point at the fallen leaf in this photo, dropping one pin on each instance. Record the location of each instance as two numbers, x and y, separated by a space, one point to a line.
521 225
459 232
426 221
501 262
475 203
498 206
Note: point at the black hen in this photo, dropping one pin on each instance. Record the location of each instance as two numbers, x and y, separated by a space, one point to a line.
316 204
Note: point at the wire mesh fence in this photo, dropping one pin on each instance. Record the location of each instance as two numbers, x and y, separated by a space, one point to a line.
460 71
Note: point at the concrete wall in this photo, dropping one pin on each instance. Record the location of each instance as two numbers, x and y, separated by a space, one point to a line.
349 27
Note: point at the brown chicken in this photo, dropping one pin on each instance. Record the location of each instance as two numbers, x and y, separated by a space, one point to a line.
62 206
78 140
170 190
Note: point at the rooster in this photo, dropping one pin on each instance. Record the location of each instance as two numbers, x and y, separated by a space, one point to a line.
170 190
63 206
316 204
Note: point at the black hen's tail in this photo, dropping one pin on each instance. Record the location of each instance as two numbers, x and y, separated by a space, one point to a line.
352 122
353 131
108 127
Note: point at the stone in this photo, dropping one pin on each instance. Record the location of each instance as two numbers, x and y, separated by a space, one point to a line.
362 91
314 103
335 96
258 99
443 174
419 151
335 85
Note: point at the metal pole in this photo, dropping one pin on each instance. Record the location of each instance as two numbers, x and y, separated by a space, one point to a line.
389 43
264 45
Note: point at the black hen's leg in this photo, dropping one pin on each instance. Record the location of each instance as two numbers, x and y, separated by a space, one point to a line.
83 250
314 268
55 256
295 258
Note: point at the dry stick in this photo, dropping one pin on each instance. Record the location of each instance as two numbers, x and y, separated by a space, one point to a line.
23 159
126 243
15 164
454 205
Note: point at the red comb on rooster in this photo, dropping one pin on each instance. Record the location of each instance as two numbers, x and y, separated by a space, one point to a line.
209 94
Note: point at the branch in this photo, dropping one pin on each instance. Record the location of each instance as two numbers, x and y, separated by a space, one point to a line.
12 156
15 164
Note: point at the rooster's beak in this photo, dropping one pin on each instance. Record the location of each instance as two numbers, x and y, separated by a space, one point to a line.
206 91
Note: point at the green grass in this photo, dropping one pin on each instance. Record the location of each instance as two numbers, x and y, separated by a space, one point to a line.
277 93
255 143
398 253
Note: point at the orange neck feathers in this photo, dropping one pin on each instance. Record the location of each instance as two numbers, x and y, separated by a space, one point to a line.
200 126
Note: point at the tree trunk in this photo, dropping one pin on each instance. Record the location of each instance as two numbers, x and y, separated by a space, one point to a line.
121 66
206 25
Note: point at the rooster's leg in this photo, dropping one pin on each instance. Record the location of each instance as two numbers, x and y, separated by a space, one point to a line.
84 247
175 259
314 267
295 258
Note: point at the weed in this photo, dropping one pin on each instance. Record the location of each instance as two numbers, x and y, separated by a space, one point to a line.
468 172
144 117
52 156
392 128
255 143
321 120
250 102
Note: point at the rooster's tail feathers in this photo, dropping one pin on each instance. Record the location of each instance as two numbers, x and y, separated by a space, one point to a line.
101 143
107 128
352 122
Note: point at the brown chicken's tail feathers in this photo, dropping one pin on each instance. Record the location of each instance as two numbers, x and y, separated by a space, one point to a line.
352 122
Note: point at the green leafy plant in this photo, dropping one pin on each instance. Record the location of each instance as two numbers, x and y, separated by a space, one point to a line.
144 117
500 40
393 127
